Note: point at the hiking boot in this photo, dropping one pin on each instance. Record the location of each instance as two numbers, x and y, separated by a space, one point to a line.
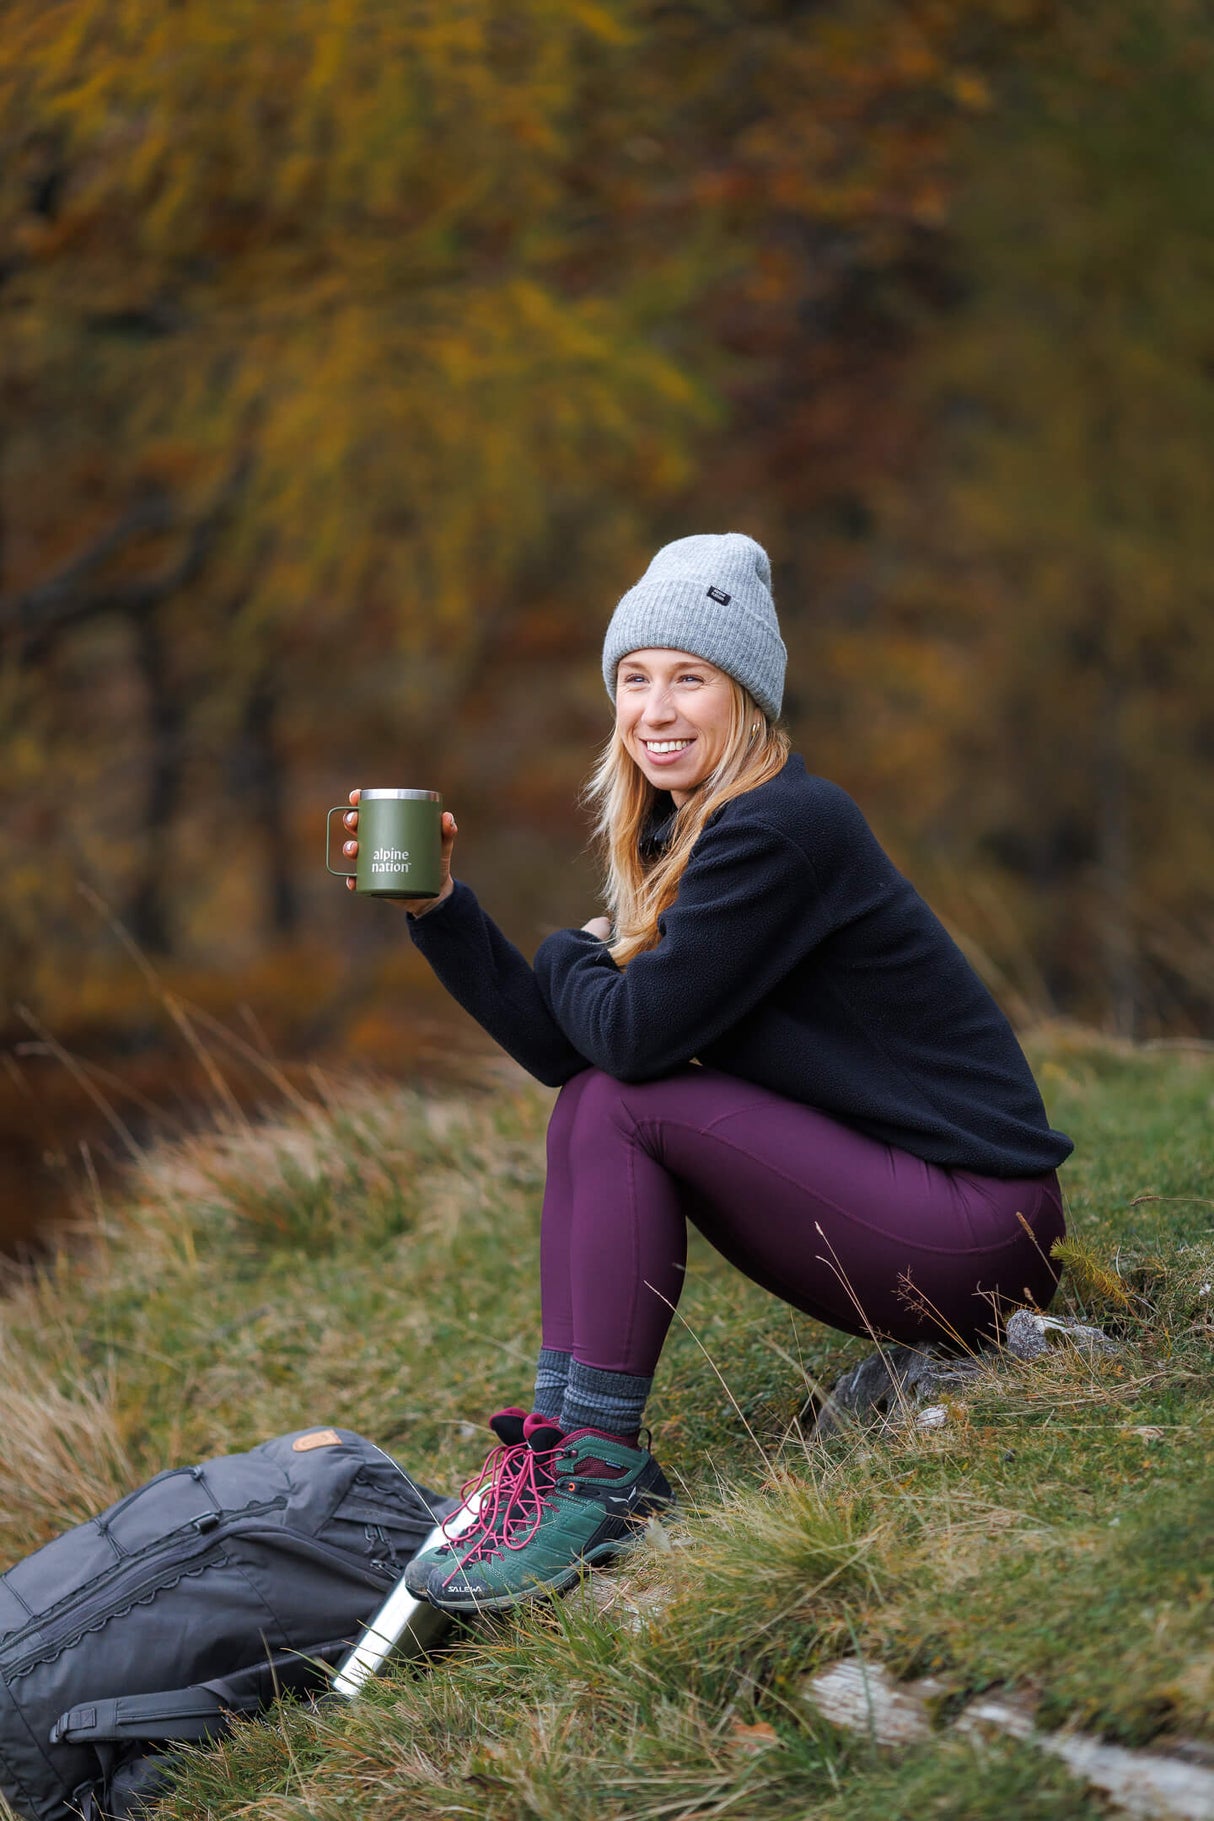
492 1485
586 1500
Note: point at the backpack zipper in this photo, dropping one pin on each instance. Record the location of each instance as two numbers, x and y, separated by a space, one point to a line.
376 1573
55 1634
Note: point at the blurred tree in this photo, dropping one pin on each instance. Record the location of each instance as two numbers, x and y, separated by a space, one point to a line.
1062 539
464 288
326 237
83 591
379 343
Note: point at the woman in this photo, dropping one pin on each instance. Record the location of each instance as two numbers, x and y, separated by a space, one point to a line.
771 1036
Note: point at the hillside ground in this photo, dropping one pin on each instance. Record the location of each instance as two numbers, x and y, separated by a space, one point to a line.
365 1256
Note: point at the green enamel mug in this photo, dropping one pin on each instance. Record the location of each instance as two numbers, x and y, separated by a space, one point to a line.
399 843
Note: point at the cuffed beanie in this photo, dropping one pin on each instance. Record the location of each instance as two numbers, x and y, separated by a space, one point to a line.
709 595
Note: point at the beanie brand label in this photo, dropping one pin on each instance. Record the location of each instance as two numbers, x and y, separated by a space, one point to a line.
719 594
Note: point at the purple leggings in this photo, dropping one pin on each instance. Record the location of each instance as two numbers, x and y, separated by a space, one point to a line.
844 1227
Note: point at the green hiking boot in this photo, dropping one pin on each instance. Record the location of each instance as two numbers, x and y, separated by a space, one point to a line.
492 1490
586 1500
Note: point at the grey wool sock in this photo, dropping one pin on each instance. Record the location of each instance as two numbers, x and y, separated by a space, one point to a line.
551 1374
596 1399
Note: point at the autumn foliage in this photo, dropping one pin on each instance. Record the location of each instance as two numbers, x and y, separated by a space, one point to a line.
355 355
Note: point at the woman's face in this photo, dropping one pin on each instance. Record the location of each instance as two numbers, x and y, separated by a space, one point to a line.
674 714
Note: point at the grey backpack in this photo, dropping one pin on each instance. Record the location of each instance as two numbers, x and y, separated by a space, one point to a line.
207 1592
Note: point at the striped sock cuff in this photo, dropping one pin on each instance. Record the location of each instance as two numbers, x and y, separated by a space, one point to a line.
551 1375
595 1399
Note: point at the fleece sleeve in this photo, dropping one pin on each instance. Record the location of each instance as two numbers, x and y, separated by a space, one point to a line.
748 910
488 976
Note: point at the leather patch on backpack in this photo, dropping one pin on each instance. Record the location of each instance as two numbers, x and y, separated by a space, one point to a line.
319 1438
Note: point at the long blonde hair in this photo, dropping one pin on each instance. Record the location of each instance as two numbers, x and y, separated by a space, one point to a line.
637 890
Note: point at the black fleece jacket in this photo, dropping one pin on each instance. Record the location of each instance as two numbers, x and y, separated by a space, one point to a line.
796 956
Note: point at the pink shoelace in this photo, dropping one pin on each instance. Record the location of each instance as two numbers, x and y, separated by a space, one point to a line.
492 1479
512 1503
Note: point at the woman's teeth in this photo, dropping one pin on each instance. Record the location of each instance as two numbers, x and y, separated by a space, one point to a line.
666 745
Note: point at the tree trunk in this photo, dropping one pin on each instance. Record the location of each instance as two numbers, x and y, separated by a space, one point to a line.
1116 911
148 908
268 804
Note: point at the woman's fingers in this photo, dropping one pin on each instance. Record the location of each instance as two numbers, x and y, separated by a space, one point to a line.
350 848
450 829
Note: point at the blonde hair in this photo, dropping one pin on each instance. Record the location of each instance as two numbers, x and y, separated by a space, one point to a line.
636 889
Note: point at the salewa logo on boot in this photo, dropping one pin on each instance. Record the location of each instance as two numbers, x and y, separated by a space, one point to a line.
623 1501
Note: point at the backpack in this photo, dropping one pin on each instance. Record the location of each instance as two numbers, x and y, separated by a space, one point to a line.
208 1592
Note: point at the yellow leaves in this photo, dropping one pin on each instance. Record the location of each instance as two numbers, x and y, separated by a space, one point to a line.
437 440
212 127
599 22
971 91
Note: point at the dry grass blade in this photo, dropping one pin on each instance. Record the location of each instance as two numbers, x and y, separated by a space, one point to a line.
61 1458
175 1008
84 1078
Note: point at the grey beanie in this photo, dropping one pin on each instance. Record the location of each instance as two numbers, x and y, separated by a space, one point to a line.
709 595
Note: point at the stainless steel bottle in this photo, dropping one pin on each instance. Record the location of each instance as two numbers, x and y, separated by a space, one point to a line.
403 1626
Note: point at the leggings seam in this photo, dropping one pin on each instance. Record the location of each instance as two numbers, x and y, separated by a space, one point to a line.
635 1272
854 1219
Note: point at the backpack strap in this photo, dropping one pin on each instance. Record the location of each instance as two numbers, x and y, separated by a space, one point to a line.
197 1712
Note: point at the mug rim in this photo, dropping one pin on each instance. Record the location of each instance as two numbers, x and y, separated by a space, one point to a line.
410 796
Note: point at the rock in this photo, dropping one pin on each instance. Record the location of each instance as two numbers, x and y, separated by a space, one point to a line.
1028 1335
864 1697
897 1381
893 1383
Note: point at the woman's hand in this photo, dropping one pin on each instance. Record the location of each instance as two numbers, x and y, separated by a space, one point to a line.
600 927
418 906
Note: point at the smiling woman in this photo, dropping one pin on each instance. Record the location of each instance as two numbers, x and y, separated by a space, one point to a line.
770 1036
655 795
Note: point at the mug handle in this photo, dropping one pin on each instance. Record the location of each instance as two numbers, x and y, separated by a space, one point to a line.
340 810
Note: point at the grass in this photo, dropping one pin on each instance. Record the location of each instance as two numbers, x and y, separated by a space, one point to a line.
370 1261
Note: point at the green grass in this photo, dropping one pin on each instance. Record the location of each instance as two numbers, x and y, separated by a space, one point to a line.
371 1263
